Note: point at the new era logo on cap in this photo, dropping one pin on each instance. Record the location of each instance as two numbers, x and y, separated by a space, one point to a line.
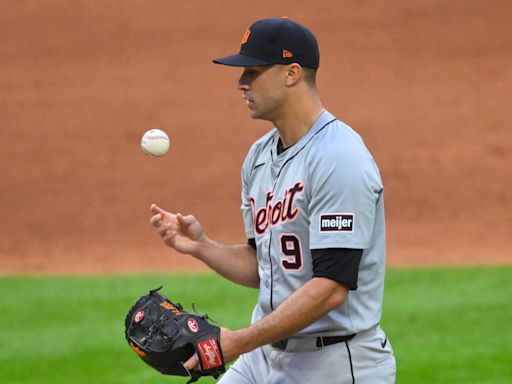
337 222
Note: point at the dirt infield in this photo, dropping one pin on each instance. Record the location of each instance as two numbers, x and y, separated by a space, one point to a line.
428 86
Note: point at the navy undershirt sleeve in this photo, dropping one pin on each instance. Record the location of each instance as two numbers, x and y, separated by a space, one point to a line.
338 264
252 242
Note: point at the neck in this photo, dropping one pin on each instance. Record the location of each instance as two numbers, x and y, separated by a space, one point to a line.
297 119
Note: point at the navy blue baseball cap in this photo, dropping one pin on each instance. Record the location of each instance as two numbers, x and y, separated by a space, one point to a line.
275 41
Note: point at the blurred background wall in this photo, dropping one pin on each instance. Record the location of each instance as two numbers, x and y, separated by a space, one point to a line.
428 84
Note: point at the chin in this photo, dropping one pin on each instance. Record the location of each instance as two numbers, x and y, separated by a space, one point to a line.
254 114
257 115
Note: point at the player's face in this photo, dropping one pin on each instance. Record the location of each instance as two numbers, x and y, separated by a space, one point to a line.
263 90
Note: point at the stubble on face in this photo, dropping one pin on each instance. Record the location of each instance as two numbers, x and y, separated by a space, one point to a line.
262 89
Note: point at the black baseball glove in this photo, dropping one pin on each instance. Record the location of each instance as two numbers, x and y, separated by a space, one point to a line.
165 336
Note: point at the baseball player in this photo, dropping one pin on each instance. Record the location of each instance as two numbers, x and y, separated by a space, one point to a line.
313 208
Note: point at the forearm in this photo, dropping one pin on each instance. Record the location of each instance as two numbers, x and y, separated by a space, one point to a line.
237 263
306 305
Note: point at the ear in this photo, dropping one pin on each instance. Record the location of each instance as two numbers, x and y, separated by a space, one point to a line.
293 74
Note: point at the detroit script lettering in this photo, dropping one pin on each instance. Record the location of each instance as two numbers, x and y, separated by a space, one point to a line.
274 213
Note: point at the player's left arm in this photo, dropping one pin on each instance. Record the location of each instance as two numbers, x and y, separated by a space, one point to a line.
335 272
305 306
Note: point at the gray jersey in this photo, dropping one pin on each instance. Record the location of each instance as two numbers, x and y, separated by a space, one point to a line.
323 192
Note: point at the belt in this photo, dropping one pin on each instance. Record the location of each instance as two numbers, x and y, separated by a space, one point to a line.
309 343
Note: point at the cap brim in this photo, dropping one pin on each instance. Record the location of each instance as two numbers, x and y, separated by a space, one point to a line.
240 60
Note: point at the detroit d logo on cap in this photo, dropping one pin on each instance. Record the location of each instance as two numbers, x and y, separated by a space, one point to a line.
337 222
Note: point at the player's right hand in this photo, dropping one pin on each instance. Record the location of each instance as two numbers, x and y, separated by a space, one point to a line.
183 233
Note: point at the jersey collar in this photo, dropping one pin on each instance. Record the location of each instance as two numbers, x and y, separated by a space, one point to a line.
321 122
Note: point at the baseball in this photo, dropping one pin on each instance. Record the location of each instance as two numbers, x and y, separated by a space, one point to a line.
155 142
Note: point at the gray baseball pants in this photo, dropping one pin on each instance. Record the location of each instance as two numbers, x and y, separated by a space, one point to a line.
365 359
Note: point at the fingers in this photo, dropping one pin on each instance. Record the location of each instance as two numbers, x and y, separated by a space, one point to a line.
156 209
171 226
166 230
185 221
192 364
163 222
155 220
157 215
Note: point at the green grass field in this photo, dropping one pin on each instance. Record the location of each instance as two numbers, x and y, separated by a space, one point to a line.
450 325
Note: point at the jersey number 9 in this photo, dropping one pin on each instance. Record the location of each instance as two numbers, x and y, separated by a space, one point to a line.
290 247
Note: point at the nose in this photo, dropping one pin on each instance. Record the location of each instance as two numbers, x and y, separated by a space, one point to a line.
245 80
242 84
